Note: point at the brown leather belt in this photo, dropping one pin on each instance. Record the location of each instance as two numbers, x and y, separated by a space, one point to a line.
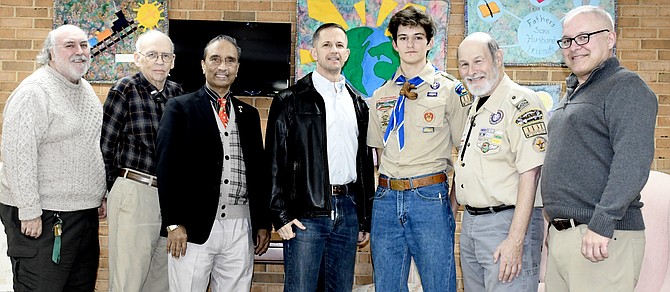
403 184
563 224
139 177
341 189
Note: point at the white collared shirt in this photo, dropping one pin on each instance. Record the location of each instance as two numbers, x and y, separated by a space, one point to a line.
341 129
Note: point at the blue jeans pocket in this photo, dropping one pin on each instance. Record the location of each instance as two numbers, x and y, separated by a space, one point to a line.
435 192
381 192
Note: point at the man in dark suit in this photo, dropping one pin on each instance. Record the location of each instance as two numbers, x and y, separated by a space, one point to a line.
212 180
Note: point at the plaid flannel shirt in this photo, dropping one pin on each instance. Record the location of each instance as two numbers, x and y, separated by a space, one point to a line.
129 127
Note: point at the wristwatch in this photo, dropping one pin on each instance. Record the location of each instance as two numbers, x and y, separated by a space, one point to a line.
171 227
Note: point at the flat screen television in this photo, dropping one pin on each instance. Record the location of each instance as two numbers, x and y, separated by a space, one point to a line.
265 65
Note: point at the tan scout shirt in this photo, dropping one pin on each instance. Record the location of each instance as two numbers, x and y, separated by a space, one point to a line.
430 121
508 137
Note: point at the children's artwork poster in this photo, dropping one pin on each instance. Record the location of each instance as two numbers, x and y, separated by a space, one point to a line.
549 93
372 60
527 30
112 27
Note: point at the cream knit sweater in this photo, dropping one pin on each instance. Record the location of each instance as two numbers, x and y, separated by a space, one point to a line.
51 146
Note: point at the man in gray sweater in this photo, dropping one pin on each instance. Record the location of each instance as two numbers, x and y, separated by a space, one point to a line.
601 145
53 179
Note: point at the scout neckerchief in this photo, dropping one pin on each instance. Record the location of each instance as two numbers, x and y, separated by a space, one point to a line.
397 119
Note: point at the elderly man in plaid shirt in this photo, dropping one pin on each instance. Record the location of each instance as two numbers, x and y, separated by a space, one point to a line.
134 105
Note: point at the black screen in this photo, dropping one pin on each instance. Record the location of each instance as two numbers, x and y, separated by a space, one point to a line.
264 64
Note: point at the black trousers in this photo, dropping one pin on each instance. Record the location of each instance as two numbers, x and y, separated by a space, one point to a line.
31 257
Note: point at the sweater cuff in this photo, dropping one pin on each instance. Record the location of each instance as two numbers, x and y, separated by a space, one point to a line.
29 213
602 225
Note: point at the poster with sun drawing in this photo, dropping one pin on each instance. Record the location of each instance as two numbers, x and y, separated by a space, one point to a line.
527 30
112 27
372 60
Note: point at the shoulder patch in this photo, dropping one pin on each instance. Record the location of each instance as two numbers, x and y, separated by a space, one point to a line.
529 117
460 89
533 130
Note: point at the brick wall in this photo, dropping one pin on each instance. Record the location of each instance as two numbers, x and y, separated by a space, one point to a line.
643 46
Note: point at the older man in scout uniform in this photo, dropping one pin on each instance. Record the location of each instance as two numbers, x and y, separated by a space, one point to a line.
502 150
414 132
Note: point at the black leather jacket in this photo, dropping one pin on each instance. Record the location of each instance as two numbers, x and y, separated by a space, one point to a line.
296 146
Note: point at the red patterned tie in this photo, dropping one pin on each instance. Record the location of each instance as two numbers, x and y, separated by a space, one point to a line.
222 112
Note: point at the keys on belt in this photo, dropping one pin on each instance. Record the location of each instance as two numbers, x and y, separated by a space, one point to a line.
487 210
139 177
563 224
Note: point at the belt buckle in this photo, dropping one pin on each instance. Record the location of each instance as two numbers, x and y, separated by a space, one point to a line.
397 184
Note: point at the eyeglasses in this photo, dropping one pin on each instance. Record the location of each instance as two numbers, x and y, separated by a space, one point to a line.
580 39
153 56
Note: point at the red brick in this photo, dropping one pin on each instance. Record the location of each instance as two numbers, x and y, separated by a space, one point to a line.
654 66
658 22
44 3
630 65
664 54
178 14
623 44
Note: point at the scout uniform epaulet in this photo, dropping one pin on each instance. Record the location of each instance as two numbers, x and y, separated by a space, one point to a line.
446 75
518 102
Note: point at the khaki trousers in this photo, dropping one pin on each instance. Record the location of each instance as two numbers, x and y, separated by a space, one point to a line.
137 253
569 270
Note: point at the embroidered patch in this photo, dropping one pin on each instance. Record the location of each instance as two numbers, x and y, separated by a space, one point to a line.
385 120
496 117
428 116
522 104
435 85
460 89
540 144
385 103
533 130
466 100
528 117
489 139
428 129
432 94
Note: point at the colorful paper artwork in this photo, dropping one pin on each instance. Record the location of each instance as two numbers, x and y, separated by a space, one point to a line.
372 60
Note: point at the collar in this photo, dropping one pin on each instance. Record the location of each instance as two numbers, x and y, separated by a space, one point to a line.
321 83
427 73
605 68
498 94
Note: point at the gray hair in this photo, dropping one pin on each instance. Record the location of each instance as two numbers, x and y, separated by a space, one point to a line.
44 55
222 37
600 13
153 32
491 43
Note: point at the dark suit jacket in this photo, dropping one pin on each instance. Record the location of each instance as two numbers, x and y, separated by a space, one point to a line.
190 157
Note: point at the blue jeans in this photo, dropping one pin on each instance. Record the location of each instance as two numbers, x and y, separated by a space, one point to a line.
482 234
322 257
418 224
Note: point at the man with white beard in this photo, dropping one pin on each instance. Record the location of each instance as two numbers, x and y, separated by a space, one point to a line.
501 153
53 179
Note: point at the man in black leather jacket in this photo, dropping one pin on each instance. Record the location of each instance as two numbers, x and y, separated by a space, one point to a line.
322 175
